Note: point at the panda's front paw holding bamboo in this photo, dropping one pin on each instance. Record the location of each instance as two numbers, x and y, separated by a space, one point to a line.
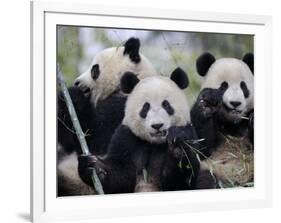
179 136
86 165
209 101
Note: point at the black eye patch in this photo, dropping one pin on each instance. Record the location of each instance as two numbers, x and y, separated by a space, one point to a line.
224 86
244 89
95 71
169 109
144 110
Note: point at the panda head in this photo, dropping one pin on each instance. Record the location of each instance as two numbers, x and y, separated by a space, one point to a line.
155 104
235 78
103 75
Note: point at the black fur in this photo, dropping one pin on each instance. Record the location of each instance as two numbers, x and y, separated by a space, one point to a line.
108 115
249 60
204 62
128 155
97 123
205 180
244 89
132 47
144 110
202 117
84 110
167 106
180 78
179 134
128 81
251 126
95 72
224 86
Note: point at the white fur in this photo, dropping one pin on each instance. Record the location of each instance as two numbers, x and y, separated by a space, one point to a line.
233 71
155 90
113 64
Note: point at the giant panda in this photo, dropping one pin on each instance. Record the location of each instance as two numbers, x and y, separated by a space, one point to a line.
223 118
99 104
144 153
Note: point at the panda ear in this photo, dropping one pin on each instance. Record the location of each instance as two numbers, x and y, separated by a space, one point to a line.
132 47
249 60
128 81
204 62
180 78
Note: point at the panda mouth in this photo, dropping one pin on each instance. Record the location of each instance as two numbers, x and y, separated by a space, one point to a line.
85 89
232 110
159 133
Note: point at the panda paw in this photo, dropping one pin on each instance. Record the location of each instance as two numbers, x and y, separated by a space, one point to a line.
178 134
205 180
209 101
86 165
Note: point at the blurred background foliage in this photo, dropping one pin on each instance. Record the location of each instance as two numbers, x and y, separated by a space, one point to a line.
76 47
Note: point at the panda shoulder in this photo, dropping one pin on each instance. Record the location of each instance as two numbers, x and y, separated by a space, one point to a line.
79 101
122 140
83 106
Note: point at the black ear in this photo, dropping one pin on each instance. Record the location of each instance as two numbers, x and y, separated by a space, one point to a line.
180 78
128 81
204 62
132 47
249 60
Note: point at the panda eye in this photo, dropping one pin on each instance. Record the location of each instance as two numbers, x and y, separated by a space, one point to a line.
169 109
244 89
224 86
95 71
144 110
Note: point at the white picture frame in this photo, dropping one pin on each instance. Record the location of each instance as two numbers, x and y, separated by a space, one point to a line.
45 205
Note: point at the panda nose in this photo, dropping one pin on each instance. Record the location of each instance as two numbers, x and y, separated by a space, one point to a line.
235 104
157 126
76 83
82 87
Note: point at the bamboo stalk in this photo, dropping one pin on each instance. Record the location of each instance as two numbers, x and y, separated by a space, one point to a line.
79 132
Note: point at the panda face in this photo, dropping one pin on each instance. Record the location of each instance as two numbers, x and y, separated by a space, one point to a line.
103 75
156 119
155 105
236 80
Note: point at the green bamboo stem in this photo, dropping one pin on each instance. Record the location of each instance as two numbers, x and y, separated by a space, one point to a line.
79 132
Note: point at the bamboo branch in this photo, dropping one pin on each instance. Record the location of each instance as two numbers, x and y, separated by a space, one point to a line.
79 132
